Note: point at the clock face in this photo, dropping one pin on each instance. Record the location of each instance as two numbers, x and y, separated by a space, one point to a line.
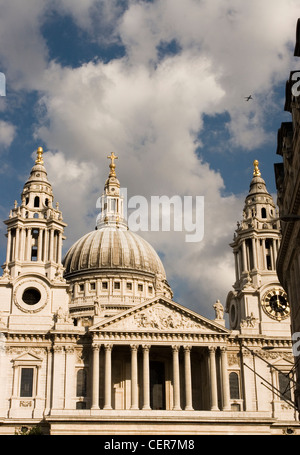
275 304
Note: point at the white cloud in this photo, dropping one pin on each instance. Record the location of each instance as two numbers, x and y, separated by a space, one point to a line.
7 133
147 107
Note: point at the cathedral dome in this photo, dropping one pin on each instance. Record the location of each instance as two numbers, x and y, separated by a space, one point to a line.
112 268
113 249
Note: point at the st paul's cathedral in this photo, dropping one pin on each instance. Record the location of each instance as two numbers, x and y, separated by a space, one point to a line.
93 343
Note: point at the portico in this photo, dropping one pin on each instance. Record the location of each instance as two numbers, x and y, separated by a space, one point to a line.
159 377
150 369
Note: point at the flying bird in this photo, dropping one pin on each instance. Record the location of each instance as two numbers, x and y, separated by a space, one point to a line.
247 98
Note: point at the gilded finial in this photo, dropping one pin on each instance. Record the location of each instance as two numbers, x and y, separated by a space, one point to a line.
112 165
39 153
256 172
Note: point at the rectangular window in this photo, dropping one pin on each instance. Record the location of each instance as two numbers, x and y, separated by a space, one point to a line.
284 386
81 383
140 287
117 285
26 388
129 286
104 285
93 286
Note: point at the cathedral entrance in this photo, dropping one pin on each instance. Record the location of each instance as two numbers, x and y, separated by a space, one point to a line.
157 385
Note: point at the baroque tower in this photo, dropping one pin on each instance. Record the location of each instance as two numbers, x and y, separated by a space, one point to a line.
32 285
258 303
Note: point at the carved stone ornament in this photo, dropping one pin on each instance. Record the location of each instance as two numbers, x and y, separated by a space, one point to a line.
158 317
39 286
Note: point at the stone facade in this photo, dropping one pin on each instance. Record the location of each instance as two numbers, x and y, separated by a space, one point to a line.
288 200
95 344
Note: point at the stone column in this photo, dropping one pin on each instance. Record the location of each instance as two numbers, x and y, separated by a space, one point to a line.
107 379
213 379
51 247
254 253
134 377
188 378
22 244
146 377
8 258
236 262
176 379
69 377
48 386
59 247
58 362
45 246
17 244
225 380
245 262
95 385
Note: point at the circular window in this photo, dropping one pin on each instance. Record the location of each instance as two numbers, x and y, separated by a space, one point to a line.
31 296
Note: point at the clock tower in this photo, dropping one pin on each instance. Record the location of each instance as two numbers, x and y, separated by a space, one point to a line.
258 304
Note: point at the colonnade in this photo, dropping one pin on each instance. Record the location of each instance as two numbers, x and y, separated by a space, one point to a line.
252 253
20 241
177 399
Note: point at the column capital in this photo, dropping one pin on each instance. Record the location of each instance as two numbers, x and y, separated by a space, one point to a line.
134 347
146 347
176 347
212 349
108 347
187 348
96 347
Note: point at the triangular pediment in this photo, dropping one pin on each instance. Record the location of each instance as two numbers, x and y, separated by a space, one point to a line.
28 357
159 315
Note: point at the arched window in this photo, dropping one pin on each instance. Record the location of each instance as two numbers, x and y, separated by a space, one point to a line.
263 213
234 386
36 201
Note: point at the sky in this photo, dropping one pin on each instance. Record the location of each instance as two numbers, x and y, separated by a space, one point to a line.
162 84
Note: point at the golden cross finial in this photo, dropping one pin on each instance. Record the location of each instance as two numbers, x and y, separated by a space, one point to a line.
112 165
256 172
39 153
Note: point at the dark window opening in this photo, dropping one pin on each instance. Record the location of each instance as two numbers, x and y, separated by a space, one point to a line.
234 386
36 201
263 213
31 296
34 253
81 383
26 388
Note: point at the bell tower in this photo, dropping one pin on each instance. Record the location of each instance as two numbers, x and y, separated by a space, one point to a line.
258 303
32 283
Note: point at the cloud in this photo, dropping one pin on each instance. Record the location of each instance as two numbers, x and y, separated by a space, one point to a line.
7 134
183 60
